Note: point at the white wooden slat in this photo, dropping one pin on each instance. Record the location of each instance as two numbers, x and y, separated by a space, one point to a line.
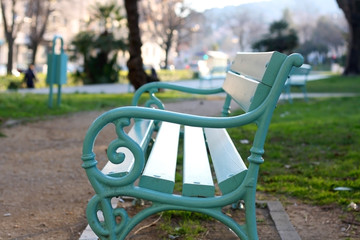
159 172
251 64
241 89
226 160
140 133
197 177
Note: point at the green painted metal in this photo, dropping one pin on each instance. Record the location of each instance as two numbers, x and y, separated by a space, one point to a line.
57 70
301 74
108 186
141 133
226 107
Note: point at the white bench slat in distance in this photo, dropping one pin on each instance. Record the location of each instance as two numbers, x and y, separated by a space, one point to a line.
141 134
229 167
159 172
197 177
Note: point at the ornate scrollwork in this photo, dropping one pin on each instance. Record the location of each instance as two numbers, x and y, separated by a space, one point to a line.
124 145
114 156
111 216
154 100
112 152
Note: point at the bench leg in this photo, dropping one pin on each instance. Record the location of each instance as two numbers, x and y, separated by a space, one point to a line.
115 231
226 108
303 88
288 92
250 212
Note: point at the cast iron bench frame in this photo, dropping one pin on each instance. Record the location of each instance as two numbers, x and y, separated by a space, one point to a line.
255 82
298 78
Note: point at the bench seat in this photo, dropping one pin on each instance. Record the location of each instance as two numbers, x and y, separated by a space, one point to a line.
160 169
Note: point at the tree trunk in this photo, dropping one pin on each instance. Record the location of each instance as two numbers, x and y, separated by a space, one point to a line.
38 11
34 51
10 56
137 75
353 58
351 10
167 49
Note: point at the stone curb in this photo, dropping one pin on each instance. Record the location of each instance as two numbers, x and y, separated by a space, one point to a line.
282 222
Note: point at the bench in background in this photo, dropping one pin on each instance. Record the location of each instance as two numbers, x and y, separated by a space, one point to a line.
142 163
297 78
217 72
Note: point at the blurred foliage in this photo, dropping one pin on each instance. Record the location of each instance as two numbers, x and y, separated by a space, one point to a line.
100 51
280 38
12 82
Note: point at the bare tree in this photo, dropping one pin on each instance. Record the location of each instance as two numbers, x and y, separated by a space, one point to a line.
137 75
12 24
246 26
38 11
351 9
164 20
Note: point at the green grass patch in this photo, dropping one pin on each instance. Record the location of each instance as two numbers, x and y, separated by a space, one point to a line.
335 84
18 106
311 149
184 224
13 82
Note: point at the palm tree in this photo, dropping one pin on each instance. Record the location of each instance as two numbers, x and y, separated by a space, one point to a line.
101 68
137 75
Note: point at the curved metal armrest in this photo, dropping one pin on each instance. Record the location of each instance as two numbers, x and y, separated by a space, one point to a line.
135 112
121 118
154 87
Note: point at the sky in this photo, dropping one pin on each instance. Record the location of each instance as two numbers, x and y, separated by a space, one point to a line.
203 5
321 5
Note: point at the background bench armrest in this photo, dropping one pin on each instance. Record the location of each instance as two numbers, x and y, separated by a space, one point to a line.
180 118
154 87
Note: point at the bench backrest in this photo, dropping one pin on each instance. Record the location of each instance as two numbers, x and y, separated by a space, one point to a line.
302 70
252 76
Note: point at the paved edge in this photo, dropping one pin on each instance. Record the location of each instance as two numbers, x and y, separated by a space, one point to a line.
282 222
277 212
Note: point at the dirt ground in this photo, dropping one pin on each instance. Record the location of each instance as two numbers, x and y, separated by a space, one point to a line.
44 190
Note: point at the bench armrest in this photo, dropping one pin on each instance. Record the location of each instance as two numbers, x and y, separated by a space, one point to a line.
123 115
121 118
154 87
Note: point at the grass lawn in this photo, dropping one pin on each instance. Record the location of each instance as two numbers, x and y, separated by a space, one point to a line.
334 84
311 149
34 106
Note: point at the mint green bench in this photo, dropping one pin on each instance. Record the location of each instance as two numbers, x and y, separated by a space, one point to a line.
217 72
145 169
297 78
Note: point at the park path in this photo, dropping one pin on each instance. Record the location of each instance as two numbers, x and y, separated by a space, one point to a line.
124 88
